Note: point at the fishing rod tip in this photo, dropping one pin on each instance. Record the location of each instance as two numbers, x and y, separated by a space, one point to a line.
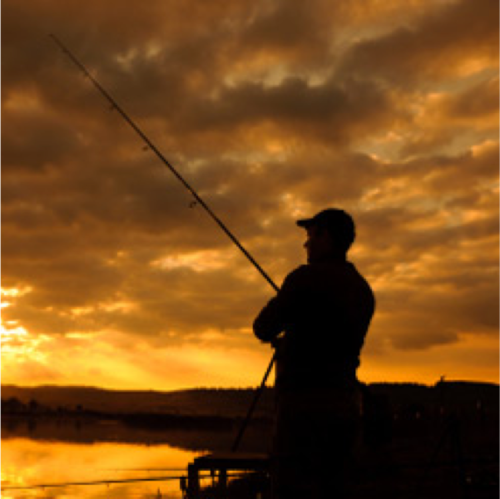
54 38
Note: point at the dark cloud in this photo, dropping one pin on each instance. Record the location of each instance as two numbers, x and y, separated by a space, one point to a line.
34 140
291 33
436 47
477 102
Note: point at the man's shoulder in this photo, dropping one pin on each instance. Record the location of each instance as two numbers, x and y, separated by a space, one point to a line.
316 270
329 271
298 275
310 275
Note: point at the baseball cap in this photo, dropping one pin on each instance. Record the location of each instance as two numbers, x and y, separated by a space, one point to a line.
339 223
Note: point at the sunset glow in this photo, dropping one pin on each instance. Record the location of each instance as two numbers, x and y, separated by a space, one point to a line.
114 276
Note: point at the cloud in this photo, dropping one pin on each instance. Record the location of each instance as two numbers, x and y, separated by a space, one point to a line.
480 101
271 112
458 39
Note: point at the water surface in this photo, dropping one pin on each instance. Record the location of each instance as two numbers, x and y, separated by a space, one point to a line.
27 462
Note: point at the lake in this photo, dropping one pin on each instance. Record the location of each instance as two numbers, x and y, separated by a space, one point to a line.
30 462
44 451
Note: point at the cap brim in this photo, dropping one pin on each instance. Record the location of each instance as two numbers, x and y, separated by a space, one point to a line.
306 222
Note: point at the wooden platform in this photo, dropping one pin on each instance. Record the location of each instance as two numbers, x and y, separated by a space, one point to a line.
219 464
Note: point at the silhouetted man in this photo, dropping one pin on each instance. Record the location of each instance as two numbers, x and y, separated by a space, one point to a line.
324 308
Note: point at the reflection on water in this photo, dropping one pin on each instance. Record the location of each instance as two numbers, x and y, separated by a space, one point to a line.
27 462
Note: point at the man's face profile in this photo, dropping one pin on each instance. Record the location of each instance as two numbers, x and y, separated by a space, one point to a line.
319 244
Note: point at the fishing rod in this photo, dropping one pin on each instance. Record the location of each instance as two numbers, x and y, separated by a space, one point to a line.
199 200
164 160
258 393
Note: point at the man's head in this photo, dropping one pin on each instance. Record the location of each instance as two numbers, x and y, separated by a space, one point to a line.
330 234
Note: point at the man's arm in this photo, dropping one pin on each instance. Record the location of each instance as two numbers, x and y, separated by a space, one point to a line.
276 315
270 322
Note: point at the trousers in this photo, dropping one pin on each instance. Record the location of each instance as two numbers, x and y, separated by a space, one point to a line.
315 434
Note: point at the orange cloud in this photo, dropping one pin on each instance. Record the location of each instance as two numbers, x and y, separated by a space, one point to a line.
271 112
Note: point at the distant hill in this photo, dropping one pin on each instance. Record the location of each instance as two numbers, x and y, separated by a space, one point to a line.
453 394
466 396
196 402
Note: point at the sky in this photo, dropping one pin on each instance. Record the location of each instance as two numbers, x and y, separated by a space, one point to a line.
272 110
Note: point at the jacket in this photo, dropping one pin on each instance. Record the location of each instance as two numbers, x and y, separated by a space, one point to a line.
325 310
